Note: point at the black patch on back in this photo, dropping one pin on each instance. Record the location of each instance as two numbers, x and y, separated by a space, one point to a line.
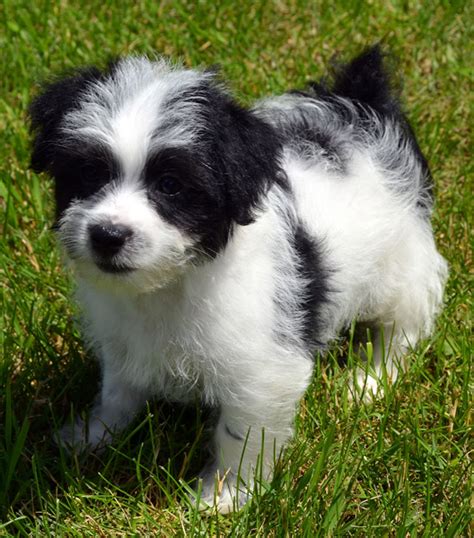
311 269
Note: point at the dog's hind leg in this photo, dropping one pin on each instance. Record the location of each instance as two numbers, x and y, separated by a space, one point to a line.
382 349
413 285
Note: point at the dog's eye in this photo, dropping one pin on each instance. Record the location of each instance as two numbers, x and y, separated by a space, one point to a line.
169 185
94 173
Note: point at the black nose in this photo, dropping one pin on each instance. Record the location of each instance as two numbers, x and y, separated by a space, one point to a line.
108 239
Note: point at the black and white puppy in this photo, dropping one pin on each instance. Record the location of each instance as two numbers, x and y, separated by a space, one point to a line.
216 247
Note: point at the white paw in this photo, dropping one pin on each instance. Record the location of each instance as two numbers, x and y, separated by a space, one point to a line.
81 436
365 387
219 491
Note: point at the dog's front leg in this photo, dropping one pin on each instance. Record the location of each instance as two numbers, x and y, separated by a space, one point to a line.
115 407
247 442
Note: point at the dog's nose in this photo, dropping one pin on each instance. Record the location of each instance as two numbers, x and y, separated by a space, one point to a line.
107 239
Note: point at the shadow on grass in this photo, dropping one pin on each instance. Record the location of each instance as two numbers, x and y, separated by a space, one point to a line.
166 443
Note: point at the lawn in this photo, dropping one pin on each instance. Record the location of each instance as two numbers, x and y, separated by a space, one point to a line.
401 466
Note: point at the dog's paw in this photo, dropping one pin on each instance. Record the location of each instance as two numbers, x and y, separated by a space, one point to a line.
365 387
224 492
81 436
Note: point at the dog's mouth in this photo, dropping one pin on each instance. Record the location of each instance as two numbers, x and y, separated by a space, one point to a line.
114 268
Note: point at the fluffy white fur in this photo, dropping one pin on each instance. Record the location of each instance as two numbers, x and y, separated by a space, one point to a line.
176 329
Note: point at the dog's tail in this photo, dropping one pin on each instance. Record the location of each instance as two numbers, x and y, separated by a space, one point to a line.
368 81
365 80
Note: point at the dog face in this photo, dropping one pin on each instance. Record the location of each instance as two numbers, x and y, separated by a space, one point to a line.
153 168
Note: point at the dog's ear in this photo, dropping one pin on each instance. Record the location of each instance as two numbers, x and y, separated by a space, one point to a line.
48 109
250 150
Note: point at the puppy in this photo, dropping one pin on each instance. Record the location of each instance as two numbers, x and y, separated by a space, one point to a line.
217 248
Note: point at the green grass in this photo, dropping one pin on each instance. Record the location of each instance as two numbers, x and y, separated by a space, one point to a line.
398 467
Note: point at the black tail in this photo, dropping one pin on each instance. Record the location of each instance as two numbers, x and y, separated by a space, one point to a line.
367 82
365 79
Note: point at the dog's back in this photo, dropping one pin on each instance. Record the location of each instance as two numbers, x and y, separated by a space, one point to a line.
363 191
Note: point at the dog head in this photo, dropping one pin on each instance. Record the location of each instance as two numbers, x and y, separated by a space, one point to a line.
154 166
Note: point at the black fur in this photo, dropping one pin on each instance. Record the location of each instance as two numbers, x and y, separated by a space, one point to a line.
199 208
226 174
48 109
79 170
229 170
242 150
81 174
316 291
365 80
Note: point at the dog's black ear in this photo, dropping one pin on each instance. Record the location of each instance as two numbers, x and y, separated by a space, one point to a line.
250 149
47 110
